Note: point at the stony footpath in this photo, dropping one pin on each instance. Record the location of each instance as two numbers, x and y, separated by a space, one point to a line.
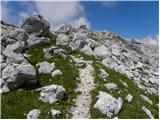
84 100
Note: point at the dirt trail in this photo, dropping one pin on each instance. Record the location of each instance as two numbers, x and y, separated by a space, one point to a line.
84 100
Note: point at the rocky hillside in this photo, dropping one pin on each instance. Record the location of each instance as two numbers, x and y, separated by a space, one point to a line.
75 73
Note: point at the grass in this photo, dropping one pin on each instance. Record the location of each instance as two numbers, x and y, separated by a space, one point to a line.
129 110
17 103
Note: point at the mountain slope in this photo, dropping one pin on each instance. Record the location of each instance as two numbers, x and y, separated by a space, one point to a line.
105 62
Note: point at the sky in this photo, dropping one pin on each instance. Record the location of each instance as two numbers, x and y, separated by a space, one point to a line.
128 19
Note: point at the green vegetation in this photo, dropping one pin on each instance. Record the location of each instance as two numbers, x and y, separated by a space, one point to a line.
20 102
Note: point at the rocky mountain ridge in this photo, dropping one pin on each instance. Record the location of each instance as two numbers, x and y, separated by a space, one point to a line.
30 51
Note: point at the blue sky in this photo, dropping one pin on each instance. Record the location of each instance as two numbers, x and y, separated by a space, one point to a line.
127 19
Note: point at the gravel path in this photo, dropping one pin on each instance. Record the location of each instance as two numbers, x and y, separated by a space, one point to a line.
84 100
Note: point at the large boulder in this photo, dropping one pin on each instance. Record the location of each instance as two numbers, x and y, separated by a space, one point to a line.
18 34
36 25
52 93
79 41
108 105
19 75
14 52
34 42
12 36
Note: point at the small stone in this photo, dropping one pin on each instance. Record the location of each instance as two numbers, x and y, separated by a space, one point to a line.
148 112
111 86
145 98
56 73
55 113
129 98
34 114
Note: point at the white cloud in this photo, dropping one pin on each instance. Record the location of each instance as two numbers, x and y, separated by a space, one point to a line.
109 3
60 13
81 21
150 40
23 14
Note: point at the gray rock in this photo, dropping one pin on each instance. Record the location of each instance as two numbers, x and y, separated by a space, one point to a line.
12 36
111 86
103 73
87 49
60 52
34 114
145 98
19 75
4 88
129 98
34 42
62 39
14 51
54 51
79 41
101 51
14 48
55 113
52 93
45 67
36 25
18 35
56 73
108 105
148 112
65 29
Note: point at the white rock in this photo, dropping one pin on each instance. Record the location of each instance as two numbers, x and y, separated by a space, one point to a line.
101 51
34 42
103 73
56 72
21 74
52 93
148 112
62 39
129 98
34 114
45 67
3 86
145 98
108 105
111 86
35 24
55 112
